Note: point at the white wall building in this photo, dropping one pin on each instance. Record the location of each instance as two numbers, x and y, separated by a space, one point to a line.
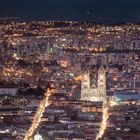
93 86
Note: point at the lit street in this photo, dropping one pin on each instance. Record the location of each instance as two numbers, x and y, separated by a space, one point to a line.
37 117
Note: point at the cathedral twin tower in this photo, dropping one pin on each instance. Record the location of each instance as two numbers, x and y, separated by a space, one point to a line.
93 86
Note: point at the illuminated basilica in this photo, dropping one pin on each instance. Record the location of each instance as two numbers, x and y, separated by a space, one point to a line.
93 85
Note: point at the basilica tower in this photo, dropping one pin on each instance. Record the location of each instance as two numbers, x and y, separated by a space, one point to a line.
102 83
88 85
85 85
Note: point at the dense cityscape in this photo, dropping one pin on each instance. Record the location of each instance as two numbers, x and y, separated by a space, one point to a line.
64 80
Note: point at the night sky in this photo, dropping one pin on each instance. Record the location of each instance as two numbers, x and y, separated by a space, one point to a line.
107 11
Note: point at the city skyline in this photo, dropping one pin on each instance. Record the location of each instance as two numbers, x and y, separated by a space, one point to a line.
69 69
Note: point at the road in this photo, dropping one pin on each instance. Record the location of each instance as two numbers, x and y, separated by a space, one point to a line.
105 118
103 123
38 116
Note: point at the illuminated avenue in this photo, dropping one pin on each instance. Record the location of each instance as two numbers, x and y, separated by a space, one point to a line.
38 115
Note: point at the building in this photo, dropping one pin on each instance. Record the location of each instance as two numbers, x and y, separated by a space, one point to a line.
93 85
102 82
38 137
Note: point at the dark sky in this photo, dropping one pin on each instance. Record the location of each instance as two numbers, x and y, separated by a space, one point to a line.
93 10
